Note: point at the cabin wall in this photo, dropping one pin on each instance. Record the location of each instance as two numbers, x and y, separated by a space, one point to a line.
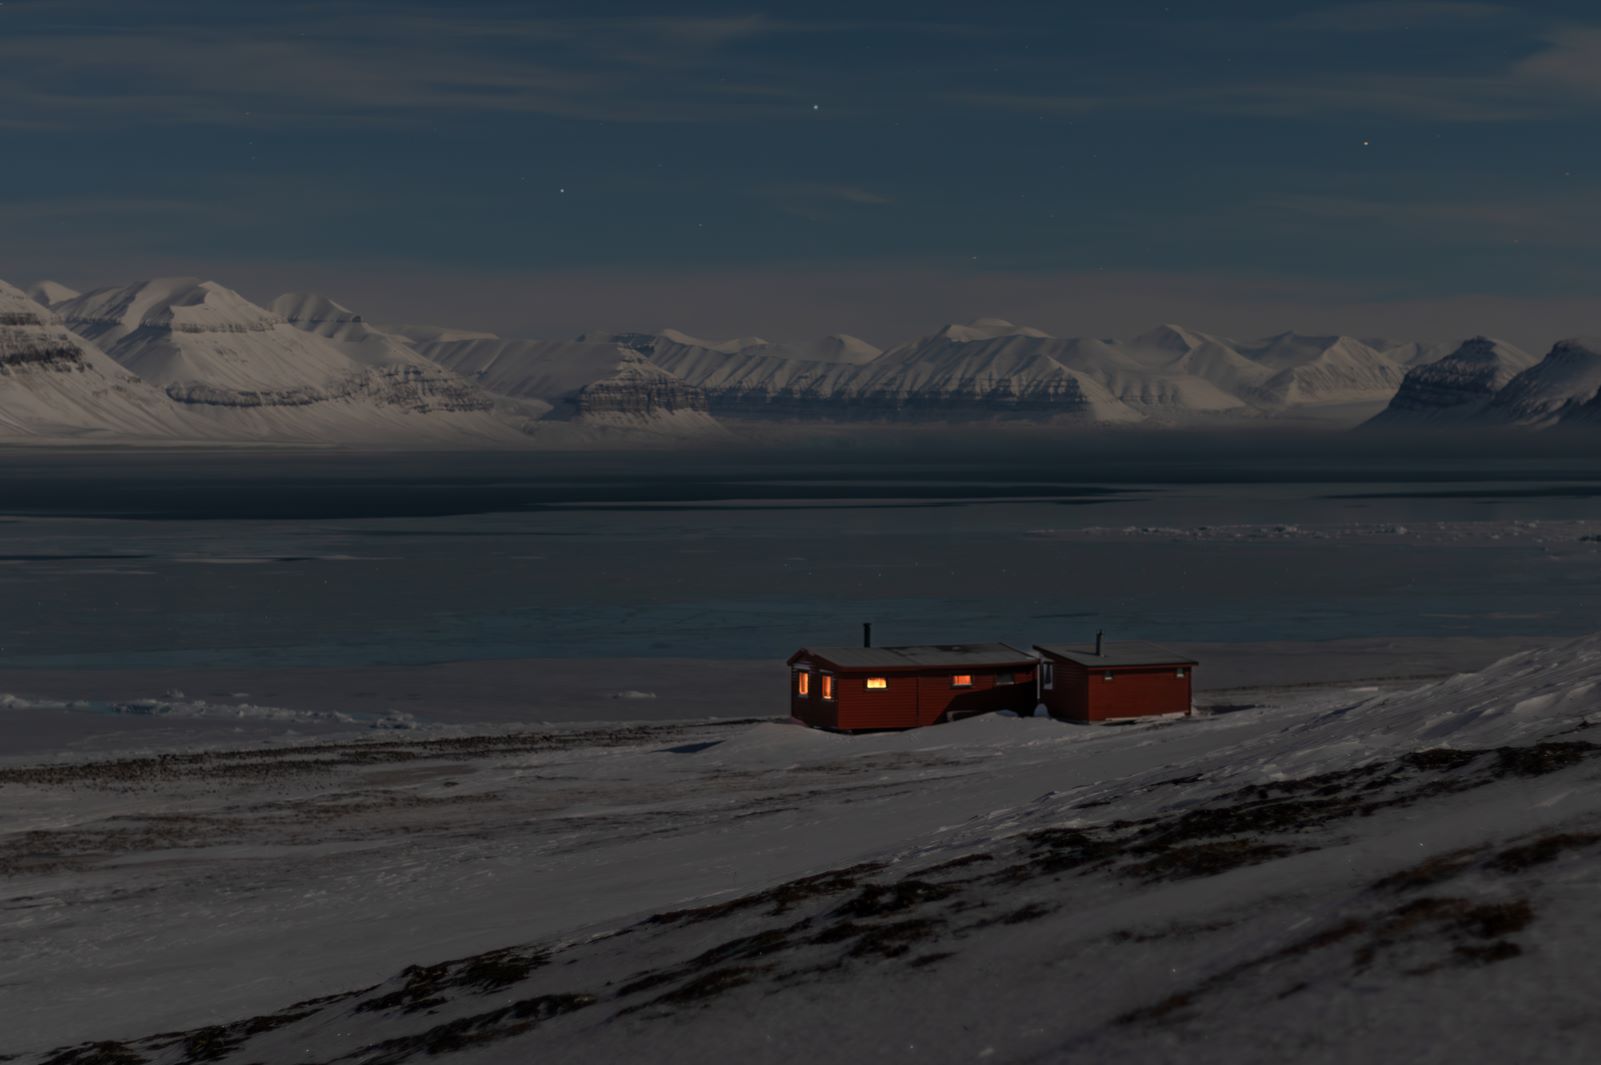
1141 691
812 708
936 697
1066 698
861 707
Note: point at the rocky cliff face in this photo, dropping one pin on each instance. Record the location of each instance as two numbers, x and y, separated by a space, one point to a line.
1564 382
640 389
1458 387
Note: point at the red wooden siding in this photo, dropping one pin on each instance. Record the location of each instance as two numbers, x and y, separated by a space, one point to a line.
909 699
861 707
936 697
1065 698
1082 693
1138 692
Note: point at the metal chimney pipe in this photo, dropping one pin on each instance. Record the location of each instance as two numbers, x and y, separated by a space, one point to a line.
867 634
1098 636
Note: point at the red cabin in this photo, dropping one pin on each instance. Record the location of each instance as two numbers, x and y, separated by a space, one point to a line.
856 688
1114 681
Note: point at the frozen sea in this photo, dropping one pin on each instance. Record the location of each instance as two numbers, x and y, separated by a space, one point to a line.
135 561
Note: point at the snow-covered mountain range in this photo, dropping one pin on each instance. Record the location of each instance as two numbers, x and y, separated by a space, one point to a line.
181 359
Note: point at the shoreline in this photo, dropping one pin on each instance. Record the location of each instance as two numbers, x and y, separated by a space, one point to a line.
244 704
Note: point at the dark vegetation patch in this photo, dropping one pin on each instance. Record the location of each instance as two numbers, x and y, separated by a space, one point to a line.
1207 859
1174 931
708 986
1541 758
894 939
1033 911
426 986
479 1030
216 1042
777 900
1475 931
1431 871
96 1054
930 959
1543 850
958 863
879 900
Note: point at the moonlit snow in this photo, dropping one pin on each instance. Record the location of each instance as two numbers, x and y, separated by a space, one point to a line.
1313 875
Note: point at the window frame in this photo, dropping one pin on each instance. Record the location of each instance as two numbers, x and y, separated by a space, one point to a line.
1048 676
802 688
1183 671
1107 675
882 684
962 680
826 686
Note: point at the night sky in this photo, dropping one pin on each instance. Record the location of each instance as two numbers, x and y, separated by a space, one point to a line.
1423 169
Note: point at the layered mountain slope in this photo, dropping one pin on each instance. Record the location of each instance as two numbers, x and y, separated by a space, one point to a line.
253 375
1457 388
1565 382
987 369
1178 350
1322 371
591 384
55 385
387 356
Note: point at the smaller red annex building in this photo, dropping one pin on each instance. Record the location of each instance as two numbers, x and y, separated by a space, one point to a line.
855 688
1113 681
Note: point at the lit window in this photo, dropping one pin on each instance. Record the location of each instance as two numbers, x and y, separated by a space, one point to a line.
962 680
1047 674
803 682
1181 671
877 683
828 685
1107 675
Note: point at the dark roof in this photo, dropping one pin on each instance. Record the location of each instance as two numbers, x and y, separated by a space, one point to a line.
1121 653
933 656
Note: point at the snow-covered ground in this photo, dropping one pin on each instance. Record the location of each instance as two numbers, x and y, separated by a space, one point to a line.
1334 873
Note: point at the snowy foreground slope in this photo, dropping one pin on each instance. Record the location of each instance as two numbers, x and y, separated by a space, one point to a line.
1387 877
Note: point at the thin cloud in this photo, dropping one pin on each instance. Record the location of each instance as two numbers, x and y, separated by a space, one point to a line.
1393 17
822 202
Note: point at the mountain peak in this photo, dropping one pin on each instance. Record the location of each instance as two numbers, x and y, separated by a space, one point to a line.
1170 337
986 329
50 293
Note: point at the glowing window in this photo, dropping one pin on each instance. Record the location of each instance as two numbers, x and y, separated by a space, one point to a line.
828 685
803 682
962 680
877 683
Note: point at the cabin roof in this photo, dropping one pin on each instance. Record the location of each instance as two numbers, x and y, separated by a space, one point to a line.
928 656
1121 653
